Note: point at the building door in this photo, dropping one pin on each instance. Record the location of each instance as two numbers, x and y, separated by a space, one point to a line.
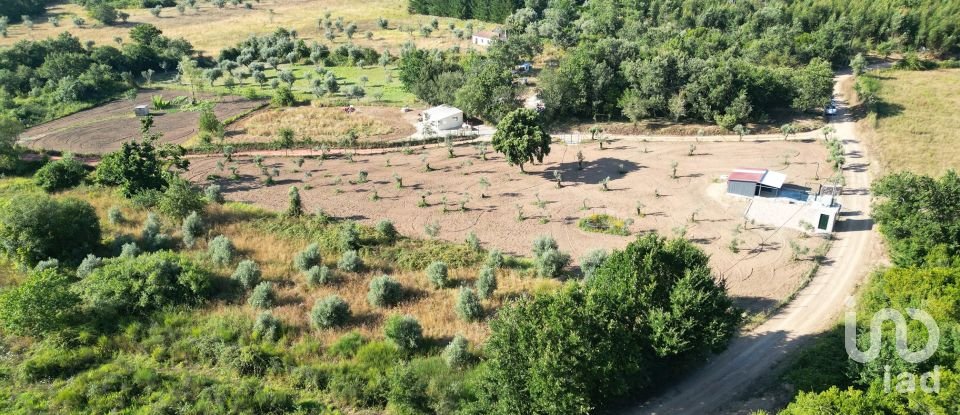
824 221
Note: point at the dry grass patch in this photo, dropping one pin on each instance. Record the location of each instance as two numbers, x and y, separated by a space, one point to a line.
915 126
316 123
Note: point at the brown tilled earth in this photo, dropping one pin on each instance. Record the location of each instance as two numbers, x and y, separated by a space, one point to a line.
760 274
371 124
103 129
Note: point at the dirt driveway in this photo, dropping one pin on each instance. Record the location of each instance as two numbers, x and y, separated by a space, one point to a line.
103 129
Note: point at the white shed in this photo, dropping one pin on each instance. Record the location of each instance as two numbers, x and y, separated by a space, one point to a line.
141 110
444 117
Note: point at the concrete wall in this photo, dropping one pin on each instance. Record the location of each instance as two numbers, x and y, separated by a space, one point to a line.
783 212
741 188
449 123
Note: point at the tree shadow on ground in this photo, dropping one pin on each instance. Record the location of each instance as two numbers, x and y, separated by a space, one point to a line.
593 172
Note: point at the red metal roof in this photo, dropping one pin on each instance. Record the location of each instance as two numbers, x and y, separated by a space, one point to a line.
747 175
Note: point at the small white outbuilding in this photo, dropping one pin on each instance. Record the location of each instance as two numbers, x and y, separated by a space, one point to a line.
444 117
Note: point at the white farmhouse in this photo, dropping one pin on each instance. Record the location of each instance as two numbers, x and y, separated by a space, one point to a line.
443 117
486 38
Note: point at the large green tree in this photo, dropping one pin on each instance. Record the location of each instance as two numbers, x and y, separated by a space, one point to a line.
521 138
648 311
42 303
34 228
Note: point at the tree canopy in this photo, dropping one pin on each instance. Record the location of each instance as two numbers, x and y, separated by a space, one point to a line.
521 138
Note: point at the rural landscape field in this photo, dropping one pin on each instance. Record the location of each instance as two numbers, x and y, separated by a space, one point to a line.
479 207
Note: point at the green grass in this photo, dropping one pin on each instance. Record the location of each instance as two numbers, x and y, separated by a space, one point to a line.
393 93
604 223
915 125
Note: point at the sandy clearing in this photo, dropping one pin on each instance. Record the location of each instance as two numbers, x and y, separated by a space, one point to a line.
760 274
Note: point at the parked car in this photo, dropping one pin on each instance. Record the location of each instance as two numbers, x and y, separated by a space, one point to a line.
830 110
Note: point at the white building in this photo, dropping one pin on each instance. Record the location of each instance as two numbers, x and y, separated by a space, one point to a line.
443 117
486 38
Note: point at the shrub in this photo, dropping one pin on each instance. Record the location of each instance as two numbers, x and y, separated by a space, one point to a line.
437 274
494 259
60 174
603 223
42 303
347 345
266 327
180 199
542 244
247 274
387 231
456 354
349 262
486 282
192 229
295 205
145 283
473 242
213 194
384 292
262 296
308 258
468 305
129 250
283 97
221 250
114 216
49 263
35 227
151 235
404 332
349 236
592 261
318 275
330 312
551 263
50 363
90 263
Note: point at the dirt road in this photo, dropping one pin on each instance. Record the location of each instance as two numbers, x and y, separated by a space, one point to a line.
755 355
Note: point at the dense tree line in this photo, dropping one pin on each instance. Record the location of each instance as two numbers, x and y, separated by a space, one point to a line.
650 310
488 10
41 80
14 9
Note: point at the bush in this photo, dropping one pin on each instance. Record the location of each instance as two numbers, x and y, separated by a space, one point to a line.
384 292
494 259
115 216
36 227
129 250
266 327
542 244
145 283
437 274
213 194
152 238
247 274
308 258
48 364
318 275
349 262
90 263
283 97
456 354
60 174
404 332
387 231
192 229
221 250
50 263
486 282
468 305
551 263
42 303
603 223
349 236
330 312
473 242
347 345
592 261
180 199
262 296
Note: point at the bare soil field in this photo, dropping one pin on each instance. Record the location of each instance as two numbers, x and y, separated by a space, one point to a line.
668 127
103 129
761 273
324 124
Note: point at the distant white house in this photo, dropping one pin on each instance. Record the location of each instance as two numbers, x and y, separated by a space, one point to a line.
486 37
141 110
443 117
